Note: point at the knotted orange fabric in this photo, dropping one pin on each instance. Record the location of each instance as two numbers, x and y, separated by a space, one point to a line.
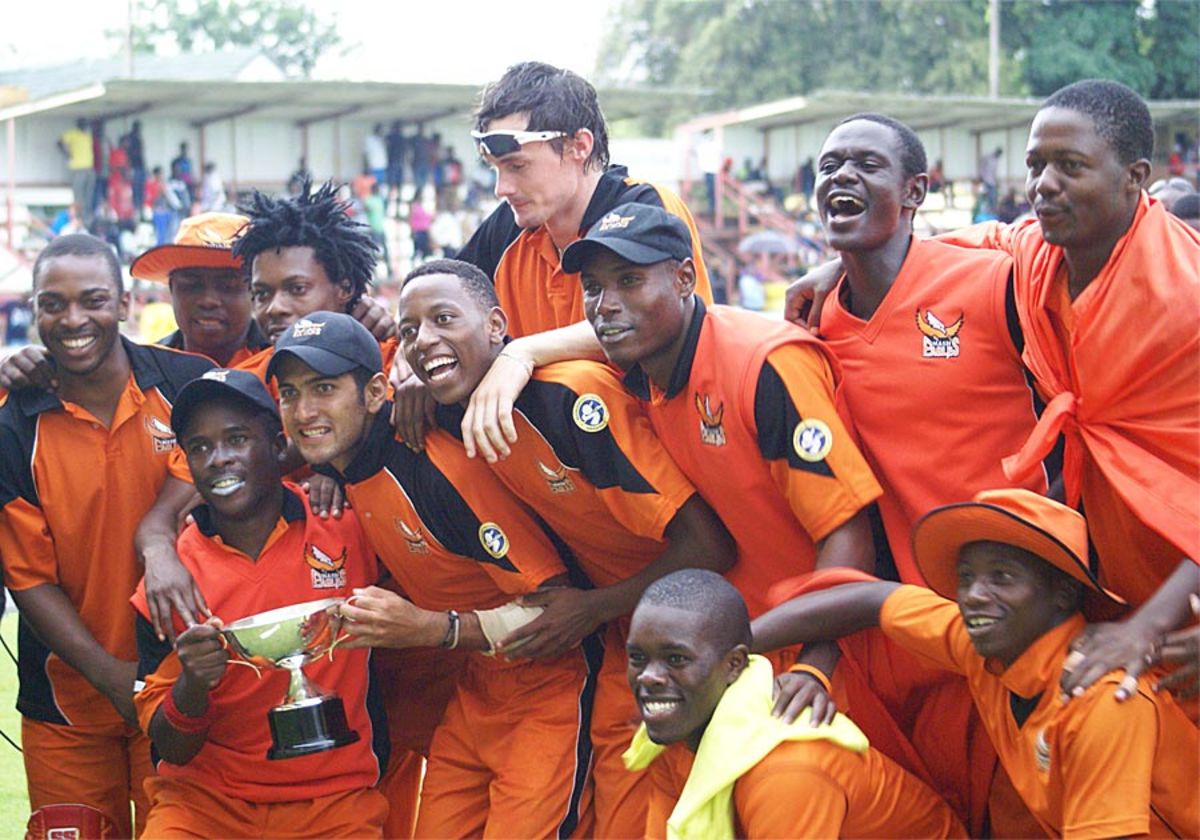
1120 369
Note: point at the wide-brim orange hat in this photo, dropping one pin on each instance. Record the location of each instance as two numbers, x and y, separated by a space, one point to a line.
203 241
1043 527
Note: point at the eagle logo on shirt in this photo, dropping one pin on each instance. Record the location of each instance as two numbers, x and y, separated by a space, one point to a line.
712 431
413 537
557 479
590 413
327 571
493 539
811 440
162 436
938 341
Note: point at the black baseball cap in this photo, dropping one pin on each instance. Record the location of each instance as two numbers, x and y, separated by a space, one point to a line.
331 343
641 233
215 384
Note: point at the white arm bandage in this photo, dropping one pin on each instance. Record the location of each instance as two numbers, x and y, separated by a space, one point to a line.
499 622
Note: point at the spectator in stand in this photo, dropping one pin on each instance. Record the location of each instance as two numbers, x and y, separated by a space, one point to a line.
162 202
100 152
1188 209
299 178
420 158
375 208
450 176
447 233
752 293
212 190
120 190
989 172
76 146
708 157
1011 208
181 168
937 182
397 148
135 149
18 318
419 222
375 153
361 183
1170 190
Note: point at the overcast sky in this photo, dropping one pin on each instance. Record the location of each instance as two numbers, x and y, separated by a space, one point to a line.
428 40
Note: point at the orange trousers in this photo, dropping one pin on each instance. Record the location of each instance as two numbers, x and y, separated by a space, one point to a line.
415 686
184 809
100 766
510 758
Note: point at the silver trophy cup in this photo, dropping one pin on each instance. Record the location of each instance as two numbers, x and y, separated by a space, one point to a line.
309 720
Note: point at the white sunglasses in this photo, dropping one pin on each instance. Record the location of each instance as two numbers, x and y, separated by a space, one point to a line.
499 143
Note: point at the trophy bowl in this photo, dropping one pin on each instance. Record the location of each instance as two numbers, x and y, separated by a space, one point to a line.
309 720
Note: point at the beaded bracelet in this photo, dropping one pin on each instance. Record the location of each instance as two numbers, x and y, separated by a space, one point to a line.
814 672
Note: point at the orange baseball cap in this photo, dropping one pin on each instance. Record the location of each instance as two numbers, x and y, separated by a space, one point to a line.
203 241
1017 517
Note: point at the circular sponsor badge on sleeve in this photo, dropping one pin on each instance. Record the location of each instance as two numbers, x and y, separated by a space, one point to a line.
812 440
493 539
590 413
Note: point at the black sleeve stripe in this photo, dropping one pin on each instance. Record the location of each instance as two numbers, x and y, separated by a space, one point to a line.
776 417
18 442
550 407
1015 334
441 508
151 650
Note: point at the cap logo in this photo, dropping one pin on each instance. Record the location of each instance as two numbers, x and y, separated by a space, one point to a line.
812 440
590 413
614 222
305 328
217 375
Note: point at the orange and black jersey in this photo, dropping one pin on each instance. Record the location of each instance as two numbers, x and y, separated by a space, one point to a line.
450 533
750 417
72 492
588 462
525 268
256 341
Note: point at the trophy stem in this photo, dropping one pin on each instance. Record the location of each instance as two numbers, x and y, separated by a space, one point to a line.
299 688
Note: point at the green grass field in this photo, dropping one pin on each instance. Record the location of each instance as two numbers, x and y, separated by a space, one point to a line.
14 804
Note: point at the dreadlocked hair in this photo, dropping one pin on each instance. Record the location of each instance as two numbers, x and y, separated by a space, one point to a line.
316 220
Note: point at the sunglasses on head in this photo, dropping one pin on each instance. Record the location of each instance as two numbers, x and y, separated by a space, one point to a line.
497 144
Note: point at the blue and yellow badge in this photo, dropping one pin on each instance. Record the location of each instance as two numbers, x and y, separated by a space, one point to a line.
493 540
812 440
590 413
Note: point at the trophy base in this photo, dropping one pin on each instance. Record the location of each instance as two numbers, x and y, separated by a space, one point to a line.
310 726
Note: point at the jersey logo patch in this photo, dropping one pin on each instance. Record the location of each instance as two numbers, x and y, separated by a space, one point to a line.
812 440
712 431
413 537
327 572
558 480
938 341
161 435
1041 750
590 413
493 540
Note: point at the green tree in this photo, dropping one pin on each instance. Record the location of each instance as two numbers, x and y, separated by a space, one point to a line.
287 32
746 51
